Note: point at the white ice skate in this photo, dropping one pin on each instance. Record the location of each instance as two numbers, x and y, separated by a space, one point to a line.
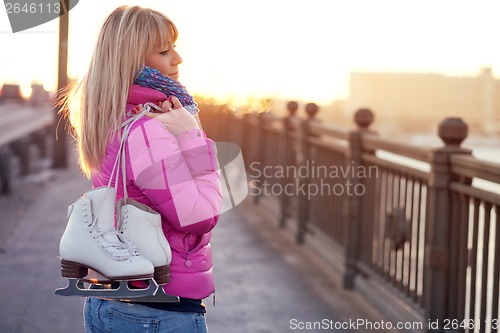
142 226
91 242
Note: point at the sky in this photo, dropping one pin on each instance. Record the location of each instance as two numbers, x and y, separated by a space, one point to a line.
291 49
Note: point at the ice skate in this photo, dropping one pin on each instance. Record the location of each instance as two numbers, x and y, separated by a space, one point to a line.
90 241
91 244
142 226
96 285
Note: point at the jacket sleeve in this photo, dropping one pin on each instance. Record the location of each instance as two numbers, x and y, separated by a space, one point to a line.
178 174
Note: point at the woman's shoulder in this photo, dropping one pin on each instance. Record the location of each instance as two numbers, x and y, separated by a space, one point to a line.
147 129
147 143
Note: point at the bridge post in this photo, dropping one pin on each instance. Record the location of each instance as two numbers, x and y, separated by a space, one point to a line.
303 212
440 225
21 148
39 138
5 187
249 138
262 148
354 237
224 129
291 129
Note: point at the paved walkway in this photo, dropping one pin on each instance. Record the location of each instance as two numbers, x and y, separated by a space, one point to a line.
264 281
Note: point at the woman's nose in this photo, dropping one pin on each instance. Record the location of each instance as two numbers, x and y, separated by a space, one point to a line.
177 58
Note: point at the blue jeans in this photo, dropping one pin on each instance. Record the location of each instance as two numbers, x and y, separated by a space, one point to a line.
103 316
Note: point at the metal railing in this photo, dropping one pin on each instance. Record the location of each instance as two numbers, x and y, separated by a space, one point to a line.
409 226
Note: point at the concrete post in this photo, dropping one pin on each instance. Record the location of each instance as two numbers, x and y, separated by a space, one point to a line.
250 138
262 121
5 171
303 213
290 128
354 238
439 222
21 149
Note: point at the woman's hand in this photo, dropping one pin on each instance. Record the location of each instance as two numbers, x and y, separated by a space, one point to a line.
176 119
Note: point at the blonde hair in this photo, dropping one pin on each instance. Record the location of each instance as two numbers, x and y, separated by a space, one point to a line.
96 104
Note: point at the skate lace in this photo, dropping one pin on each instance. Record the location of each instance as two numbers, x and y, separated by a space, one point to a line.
121 250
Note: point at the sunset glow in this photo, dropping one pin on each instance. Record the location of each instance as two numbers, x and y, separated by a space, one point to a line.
290 50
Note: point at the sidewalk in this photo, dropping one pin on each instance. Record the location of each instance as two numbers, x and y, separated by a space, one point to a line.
264 282
29 267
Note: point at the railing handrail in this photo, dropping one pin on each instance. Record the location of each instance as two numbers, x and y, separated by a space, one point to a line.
389 165
469 166
319 128
476 193
332 145
372 142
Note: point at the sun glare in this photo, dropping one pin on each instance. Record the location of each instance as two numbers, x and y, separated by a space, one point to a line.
289 50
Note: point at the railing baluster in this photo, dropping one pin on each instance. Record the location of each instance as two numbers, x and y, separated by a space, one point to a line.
413 269
368 206
409 202
383 239
484 266
473 260
389 211
376 224
496 269
462 255
421 240
341 208
455 250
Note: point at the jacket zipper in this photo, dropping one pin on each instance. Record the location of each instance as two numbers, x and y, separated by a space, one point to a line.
187 253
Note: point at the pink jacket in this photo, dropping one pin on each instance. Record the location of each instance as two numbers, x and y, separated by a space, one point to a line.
178 176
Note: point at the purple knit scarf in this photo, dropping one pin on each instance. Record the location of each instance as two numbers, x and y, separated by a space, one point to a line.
153 78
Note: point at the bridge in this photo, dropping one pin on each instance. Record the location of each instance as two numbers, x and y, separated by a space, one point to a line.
22 126
340 224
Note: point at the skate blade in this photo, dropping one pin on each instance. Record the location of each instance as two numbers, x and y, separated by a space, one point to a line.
158 297
76 287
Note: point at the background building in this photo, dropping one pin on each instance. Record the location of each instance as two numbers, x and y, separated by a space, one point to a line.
418 101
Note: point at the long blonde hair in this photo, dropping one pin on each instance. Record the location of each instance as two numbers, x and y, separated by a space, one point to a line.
96 104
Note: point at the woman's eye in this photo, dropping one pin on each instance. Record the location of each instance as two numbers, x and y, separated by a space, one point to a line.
164 52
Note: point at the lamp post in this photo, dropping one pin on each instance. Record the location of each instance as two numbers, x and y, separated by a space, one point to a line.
60 145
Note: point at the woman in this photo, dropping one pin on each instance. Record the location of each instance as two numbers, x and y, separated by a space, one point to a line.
171 165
